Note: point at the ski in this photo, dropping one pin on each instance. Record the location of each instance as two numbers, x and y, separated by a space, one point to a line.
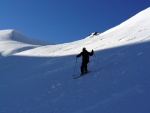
76 77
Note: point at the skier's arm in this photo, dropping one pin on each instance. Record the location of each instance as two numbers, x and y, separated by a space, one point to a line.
79 55
92 52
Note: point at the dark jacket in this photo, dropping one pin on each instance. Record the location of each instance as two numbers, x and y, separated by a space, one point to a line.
85 55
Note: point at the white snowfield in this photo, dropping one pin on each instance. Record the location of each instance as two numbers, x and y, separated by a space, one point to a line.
37 77
12 41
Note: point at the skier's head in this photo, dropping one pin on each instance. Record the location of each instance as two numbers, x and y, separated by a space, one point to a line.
84 49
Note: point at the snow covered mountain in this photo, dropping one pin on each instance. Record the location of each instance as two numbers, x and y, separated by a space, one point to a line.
134 30
40 80
12 41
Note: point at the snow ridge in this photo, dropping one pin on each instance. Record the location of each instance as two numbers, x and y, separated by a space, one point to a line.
12 41
14 35
141 18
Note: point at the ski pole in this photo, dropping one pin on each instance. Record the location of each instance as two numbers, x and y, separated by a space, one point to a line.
75 67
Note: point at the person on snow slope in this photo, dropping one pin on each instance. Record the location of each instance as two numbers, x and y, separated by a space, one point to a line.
85 59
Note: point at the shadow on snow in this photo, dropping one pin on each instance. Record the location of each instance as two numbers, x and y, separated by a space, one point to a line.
118 83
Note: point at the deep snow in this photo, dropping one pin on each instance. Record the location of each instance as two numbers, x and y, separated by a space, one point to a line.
40 80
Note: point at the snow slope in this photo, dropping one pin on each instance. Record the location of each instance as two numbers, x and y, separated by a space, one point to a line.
40 80
134 30
12 41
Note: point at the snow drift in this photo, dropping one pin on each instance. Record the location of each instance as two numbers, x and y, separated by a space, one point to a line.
40 80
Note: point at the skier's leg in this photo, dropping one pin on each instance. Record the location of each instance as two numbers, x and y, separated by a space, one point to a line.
86 66
82 68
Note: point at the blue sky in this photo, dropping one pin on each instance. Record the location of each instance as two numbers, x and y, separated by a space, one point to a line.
61 21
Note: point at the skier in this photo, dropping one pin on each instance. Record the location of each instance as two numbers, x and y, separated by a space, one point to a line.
85 60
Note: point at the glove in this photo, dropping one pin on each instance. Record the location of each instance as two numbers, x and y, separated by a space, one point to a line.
92 51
